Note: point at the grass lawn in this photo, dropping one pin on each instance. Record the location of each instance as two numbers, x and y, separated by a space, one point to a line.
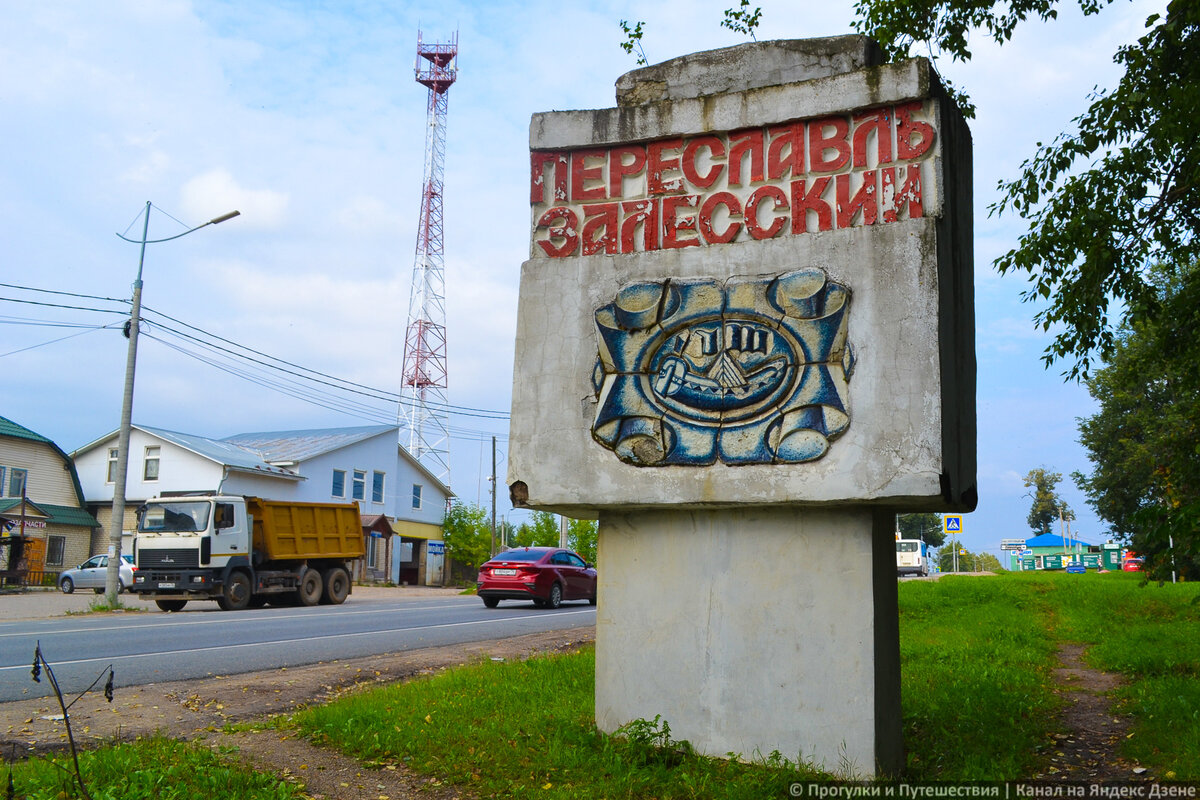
978 701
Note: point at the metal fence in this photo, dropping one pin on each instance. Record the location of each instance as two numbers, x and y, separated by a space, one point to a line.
27 578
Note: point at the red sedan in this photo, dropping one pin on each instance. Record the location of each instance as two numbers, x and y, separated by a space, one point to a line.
545 575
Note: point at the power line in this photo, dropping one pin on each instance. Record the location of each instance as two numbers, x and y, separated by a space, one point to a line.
65 294
60 305
380 393
87 329
300 392
291 379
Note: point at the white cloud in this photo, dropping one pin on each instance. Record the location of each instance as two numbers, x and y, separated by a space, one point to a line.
216 192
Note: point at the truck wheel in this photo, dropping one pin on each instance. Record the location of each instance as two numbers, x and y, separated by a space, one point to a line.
171 605
236 594
337 586
310 588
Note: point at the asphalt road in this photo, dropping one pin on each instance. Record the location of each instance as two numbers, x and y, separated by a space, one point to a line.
204 641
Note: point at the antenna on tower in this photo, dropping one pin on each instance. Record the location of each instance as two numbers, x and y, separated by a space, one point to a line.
423 404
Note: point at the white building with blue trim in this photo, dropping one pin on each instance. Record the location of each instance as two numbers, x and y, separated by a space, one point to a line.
402 503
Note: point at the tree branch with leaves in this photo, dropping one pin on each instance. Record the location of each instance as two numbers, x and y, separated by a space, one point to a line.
1116 192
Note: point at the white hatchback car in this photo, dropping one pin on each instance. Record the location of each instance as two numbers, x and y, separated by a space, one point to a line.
93 573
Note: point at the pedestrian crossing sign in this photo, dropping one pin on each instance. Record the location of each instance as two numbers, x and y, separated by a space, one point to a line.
952 523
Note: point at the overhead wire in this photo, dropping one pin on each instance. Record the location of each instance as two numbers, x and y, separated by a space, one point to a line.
467 410
291 379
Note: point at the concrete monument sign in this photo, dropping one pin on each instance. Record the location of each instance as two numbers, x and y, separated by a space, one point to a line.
745 340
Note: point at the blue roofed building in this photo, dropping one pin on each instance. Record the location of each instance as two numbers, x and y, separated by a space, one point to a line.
1051 551
401 502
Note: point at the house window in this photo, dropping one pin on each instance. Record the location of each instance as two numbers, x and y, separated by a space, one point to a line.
339 483
112 465
55 545
16 482
372 560
416 495
376 487
150 463
359 487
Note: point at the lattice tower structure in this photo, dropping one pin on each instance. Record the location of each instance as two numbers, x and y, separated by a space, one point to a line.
423 405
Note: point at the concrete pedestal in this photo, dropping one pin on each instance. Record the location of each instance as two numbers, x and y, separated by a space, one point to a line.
753 630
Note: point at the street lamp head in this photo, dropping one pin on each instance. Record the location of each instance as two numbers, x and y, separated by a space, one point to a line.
223 217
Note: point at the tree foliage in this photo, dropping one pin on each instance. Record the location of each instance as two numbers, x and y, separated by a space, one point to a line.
1145 438
467 533
1047 508
742 19
582 536
739 20
1118 191
540 531
926 526
967 560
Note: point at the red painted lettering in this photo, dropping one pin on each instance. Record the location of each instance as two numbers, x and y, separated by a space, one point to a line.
781 203
674 224
907 128
879 123
910 196
743 144
567 232
587 182
864 200
539 161
645 214
716 150
619 168
819 142
707 210
600 219
785 156
804 201
662 158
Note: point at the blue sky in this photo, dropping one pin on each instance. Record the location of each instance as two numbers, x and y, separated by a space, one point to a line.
305 117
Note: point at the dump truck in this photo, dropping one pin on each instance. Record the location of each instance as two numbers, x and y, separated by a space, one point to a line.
244 551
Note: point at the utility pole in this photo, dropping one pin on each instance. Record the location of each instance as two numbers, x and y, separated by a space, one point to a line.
112 580
493 480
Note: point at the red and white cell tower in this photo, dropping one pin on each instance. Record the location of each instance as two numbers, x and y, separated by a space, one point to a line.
423 404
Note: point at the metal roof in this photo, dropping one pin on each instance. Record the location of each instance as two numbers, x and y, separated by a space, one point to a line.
296 446
12 429
1054 540
221 451
61 515
15 431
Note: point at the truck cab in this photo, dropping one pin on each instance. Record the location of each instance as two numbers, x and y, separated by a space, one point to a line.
185 546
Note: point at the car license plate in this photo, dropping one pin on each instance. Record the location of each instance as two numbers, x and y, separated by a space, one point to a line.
504 572
166 586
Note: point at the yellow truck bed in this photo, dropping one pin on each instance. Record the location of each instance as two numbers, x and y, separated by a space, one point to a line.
287 530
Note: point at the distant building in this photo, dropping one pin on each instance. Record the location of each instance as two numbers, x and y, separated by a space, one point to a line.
401 502
44 526
1051 551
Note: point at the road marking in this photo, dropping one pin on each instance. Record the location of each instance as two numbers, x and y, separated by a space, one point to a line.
159 654
222 618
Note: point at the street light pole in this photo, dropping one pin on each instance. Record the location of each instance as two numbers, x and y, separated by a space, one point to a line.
112 580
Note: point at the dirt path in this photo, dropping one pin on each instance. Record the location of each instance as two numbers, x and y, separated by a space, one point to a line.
1085 749
199 710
